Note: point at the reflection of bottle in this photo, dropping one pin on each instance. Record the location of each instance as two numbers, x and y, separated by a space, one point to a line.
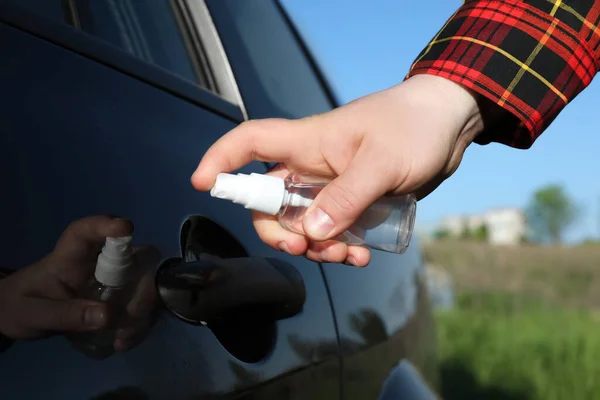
111 284
386 225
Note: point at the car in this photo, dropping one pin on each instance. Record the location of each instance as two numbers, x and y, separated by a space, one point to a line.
107 107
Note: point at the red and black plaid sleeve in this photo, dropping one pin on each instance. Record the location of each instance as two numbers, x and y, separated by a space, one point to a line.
530 57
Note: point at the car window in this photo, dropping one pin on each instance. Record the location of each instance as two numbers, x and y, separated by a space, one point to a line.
156 31
273 72
53 9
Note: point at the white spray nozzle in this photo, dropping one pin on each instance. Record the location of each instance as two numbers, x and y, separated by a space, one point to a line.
115 261
117 247
257 192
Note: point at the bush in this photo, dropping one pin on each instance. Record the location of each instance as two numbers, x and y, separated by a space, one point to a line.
441 234
498 345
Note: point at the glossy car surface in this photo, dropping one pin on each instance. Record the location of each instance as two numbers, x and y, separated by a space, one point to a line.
107 107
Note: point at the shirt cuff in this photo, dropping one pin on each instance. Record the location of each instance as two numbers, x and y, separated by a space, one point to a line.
530 58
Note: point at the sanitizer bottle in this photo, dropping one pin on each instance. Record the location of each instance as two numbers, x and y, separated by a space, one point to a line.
112 284
387 225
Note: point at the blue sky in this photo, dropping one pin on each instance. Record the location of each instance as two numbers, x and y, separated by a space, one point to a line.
367 45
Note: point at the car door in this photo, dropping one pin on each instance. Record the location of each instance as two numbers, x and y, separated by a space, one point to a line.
107 107
383 315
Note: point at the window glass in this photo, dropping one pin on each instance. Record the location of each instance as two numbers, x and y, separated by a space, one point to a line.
49 8
147 29
272 71
156 31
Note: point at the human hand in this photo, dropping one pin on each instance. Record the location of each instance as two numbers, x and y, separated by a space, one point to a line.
41 300
407 139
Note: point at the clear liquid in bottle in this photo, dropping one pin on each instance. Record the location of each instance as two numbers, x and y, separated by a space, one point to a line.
100 344
386 225
113 285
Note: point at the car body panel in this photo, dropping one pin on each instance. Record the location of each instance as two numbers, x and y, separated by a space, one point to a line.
80 138
87 129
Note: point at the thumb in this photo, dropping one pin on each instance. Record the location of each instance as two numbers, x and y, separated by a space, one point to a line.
64 315
344 199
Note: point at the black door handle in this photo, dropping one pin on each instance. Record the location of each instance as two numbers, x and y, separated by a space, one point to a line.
214 290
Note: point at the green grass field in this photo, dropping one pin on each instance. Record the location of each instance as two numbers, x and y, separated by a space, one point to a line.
526 324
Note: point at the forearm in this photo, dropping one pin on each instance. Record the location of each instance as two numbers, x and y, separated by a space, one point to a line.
525 59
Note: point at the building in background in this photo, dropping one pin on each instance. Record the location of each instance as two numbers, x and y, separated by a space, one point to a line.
454 225
504 226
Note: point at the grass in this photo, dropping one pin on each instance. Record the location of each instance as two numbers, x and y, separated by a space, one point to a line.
526 324
569 276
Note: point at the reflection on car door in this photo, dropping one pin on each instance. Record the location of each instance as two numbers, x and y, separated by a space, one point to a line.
383 315
92 129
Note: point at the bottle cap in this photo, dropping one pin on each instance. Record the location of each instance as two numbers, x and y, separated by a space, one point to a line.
115 261
257 192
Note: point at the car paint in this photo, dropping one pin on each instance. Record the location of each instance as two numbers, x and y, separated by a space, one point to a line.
89 129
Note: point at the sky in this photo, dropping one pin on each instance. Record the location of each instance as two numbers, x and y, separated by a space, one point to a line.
363 46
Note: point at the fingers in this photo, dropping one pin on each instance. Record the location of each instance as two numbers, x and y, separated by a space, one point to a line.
274 235
84 236
267 140
270 231
132 334
337 252
344 199
144 299
74 315
330 251
358 256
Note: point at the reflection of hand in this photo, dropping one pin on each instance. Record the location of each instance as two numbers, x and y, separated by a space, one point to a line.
141 309
40 300
405 139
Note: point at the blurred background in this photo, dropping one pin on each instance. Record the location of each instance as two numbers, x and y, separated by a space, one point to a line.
511 241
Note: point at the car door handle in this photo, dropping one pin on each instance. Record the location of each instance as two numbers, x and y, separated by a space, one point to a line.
214 290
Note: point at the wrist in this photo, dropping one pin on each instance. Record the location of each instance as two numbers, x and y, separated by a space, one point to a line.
461 105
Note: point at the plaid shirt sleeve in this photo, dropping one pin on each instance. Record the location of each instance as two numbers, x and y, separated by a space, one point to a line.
530 57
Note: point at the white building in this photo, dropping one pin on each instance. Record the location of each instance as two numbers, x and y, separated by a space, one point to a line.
505 226
453 224
474 221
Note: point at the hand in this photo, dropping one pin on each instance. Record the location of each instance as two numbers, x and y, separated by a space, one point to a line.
409 138
40 300
142 308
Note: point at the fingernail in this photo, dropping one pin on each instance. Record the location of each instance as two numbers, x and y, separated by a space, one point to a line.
318 224
94 316
119 221
324 255
283 247
351 260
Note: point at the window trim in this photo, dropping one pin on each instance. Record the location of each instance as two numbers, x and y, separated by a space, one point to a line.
71 14
69 38
215 53
193 44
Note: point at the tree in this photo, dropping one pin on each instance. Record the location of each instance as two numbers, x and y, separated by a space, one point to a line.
550 212
441 234
481 233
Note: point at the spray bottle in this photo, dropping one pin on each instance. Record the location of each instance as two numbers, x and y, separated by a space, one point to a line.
111 284
386 225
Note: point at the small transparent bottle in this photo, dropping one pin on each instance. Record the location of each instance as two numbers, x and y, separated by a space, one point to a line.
386 225
111 284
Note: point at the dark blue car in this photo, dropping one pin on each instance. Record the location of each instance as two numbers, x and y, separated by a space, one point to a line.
107 106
